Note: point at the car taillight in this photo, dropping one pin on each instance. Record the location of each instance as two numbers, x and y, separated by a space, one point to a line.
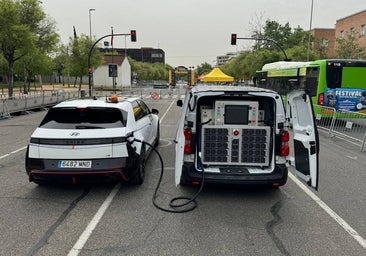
321 99
187 142
285 148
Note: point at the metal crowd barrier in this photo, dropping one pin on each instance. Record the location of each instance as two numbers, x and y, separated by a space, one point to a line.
24 103
348 125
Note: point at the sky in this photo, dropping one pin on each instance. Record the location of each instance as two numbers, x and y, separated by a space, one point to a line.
191 32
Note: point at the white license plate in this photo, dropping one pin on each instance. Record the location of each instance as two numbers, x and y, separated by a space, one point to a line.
74 164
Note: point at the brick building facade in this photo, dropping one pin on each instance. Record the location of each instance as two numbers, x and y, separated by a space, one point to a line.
353 25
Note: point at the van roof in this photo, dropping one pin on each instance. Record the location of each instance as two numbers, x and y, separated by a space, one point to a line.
221 88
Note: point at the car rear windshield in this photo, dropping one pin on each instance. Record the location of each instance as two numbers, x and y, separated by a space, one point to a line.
84 118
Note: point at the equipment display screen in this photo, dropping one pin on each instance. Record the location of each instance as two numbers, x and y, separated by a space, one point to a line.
236 114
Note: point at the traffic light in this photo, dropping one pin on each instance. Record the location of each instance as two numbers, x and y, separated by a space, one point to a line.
133 35
233 39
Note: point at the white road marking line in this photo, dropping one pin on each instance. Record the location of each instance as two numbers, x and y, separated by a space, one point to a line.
13 152
352 157
3 156
331 213
17 150
78 246
166 112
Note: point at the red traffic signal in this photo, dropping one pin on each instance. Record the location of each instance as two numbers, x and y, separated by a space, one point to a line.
233 39
133 35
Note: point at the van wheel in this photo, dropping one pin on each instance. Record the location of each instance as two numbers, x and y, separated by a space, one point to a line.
138 168
185 180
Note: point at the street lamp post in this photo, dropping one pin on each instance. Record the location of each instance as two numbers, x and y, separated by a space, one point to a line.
311 21
90 32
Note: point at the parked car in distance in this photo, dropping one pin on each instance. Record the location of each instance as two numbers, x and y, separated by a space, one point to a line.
90 138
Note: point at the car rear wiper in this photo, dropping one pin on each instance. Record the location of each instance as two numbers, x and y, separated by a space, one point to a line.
88 127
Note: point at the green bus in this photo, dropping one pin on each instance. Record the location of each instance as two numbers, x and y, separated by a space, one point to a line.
336 83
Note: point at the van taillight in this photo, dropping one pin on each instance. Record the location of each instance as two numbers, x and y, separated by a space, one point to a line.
187 142
285 148
321 99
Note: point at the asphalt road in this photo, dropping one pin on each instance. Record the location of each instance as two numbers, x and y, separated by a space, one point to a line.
117 219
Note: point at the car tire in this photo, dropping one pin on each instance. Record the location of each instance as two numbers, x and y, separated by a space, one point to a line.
157 142
138 168
41 182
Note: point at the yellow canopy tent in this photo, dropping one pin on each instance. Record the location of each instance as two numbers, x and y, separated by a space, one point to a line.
216 75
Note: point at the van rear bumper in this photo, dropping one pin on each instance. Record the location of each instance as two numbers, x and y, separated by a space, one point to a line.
277 178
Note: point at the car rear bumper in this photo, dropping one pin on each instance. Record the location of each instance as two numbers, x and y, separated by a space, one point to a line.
277 178
48 169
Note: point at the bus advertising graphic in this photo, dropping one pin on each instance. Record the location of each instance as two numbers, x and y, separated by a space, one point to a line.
346 99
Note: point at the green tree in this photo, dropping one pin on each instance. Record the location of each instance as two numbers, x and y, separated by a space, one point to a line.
349 48
79 48
149 71
61 64
24 29
204 68
32 64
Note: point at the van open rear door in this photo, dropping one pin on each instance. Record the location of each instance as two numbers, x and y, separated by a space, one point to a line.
179 144
299 111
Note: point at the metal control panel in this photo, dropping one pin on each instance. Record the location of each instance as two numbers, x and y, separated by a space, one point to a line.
235 145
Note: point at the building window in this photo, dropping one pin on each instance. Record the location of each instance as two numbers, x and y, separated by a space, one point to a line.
363 30
360 54
341 34
352 32
157 55
324 42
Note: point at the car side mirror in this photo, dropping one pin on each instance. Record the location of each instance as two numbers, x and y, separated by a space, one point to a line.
179 103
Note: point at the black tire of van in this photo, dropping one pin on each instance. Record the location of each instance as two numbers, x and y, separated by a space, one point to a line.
278 177
185 180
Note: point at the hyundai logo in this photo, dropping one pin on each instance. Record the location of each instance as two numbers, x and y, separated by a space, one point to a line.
74 134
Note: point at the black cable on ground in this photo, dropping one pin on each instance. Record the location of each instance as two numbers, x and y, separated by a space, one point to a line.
175 207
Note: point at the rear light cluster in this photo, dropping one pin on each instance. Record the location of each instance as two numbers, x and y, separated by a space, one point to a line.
187 142
285 148
321 99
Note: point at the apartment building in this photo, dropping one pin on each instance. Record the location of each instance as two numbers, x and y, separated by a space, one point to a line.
325 39
355 26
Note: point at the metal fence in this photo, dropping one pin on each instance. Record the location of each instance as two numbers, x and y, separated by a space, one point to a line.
45 99
29 102
345 124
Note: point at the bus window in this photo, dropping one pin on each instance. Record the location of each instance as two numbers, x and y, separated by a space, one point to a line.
311 81
334 76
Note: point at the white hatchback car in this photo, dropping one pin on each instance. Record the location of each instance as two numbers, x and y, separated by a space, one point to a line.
90 138
241 135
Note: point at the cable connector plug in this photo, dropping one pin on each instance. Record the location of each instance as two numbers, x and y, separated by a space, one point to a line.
130 139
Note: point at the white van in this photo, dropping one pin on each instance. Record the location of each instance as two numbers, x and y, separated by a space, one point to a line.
241 135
